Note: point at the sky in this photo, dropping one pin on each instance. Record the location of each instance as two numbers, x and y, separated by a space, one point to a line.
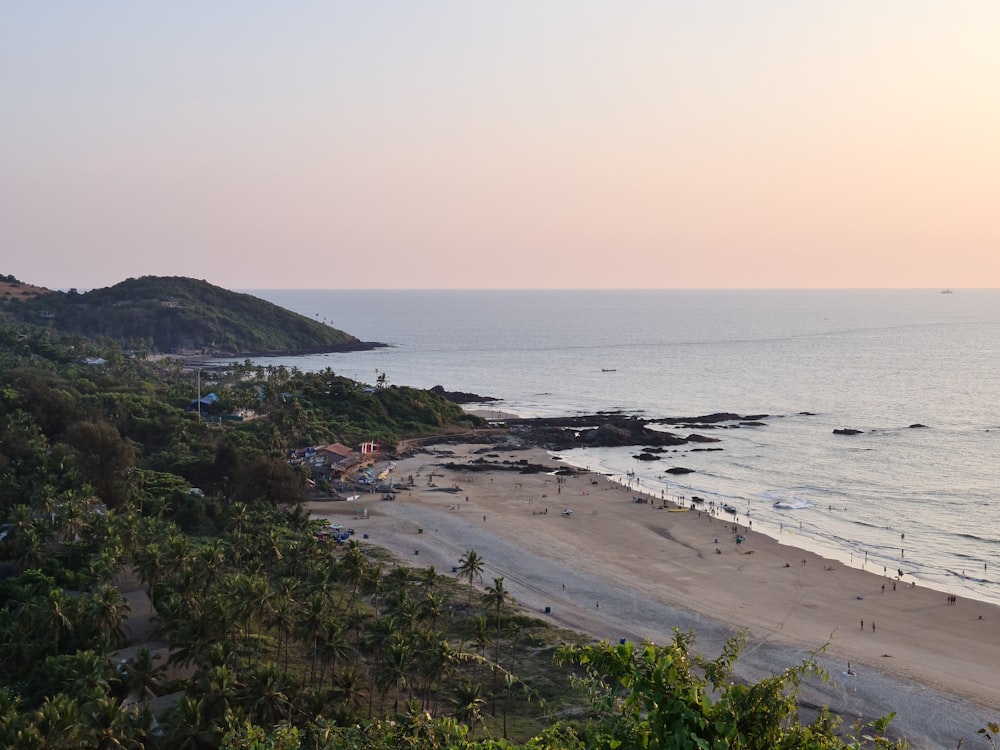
522 144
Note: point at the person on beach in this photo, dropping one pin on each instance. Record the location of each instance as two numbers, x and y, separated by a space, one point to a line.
862 624
873 626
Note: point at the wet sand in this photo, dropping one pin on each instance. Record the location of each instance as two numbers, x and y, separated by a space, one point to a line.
617 568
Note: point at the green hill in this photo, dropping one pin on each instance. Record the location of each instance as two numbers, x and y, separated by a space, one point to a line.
174 313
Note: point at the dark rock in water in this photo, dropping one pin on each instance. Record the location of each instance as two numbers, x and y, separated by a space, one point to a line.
806 414
693 438
708 418
753 424
646 457
847 431
918 426
612 430
680 470
695 450
458 397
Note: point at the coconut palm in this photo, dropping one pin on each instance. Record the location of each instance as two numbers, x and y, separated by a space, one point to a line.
348 688
267 692
150 562
470 567
393 668
108 610
479 628
143 675
496 598
312 624
468 701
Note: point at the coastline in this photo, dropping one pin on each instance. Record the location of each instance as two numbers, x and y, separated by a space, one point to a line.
619 568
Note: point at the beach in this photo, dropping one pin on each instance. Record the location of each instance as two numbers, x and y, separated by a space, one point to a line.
623 565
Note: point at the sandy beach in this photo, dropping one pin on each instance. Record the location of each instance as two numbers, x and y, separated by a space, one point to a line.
618 568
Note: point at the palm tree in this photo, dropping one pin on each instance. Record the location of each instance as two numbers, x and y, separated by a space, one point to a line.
480 628
432 608
348 688
110 725
354 566
108 610
268 696
59 723
393 668
314 619
516 629
496 597
335 646
150 561
73 523
221 687
210 558
469 704
191 728
470 566
281 617
143 675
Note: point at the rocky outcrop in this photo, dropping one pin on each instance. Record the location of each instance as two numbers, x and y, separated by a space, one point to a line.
847 431
611 430
459 397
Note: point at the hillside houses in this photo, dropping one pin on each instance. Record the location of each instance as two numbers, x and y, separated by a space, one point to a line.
331 461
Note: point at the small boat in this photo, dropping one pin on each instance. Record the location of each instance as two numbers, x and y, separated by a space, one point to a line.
608 369
946 291
729 508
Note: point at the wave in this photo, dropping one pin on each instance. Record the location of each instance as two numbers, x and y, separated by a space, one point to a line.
793 504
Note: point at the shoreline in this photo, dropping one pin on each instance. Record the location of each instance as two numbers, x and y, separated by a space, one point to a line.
618 568
819 546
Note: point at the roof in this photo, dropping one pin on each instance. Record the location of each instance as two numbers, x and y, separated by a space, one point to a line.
336 448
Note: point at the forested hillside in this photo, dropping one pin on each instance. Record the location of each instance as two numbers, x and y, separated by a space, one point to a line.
166 314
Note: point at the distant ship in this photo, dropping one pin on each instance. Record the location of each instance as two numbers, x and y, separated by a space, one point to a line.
946 291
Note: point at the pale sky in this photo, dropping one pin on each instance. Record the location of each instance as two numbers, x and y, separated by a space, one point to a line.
515 144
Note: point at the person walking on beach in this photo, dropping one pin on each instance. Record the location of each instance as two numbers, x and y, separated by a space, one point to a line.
862 624
873 626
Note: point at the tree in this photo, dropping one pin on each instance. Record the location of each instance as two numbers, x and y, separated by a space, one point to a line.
143 676
394 667
108 610
665 696
470 567
496 598
469 703
104 456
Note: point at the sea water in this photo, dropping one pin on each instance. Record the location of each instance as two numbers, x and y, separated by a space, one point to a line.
921 500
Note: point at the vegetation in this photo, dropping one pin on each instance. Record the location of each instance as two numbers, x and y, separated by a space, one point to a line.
266 635
166 314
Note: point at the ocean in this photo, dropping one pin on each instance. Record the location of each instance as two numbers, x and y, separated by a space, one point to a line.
895 498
